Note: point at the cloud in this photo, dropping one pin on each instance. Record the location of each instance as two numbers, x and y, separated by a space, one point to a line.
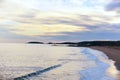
113 6
81 20
46 30
78 36
72 6
111 28
57 24
56 19
1 1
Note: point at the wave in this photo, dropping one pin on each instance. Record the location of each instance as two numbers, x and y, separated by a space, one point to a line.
100 71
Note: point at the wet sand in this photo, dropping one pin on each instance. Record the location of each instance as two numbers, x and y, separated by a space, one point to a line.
112 52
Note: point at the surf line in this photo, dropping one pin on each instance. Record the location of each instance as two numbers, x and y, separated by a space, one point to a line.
37 72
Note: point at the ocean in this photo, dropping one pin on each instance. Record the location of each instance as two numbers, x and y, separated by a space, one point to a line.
46 62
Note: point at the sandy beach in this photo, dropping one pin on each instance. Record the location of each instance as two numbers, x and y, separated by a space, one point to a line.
112 52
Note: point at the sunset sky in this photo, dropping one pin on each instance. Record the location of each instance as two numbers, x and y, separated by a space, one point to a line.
59 20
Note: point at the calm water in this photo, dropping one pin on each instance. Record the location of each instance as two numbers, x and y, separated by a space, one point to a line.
75 63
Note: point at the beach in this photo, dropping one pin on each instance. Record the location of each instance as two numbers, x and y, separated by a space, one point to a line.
113 52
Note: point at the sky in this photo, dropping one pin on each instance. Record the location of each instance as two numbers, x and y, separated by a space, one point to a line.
59 20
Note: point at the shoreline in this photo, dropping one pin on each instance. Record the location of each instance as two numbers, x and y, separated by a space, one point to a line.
112 52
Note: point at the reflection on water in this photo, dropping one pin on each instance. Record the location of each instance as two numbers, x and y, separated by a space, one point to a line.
17 60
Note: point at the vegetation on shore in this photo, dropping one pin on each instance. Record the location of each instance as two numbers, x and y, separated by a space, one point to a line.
92 43
83 44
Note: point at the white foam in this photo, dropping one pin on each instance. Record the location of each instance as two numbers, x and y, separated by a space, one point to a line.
100 71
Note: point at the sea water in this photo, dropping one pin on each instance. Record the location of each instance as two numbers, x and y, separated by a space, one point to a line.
46 62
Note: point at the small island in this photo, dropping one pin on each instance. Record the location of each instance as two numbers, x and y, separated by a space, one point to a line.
34 42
